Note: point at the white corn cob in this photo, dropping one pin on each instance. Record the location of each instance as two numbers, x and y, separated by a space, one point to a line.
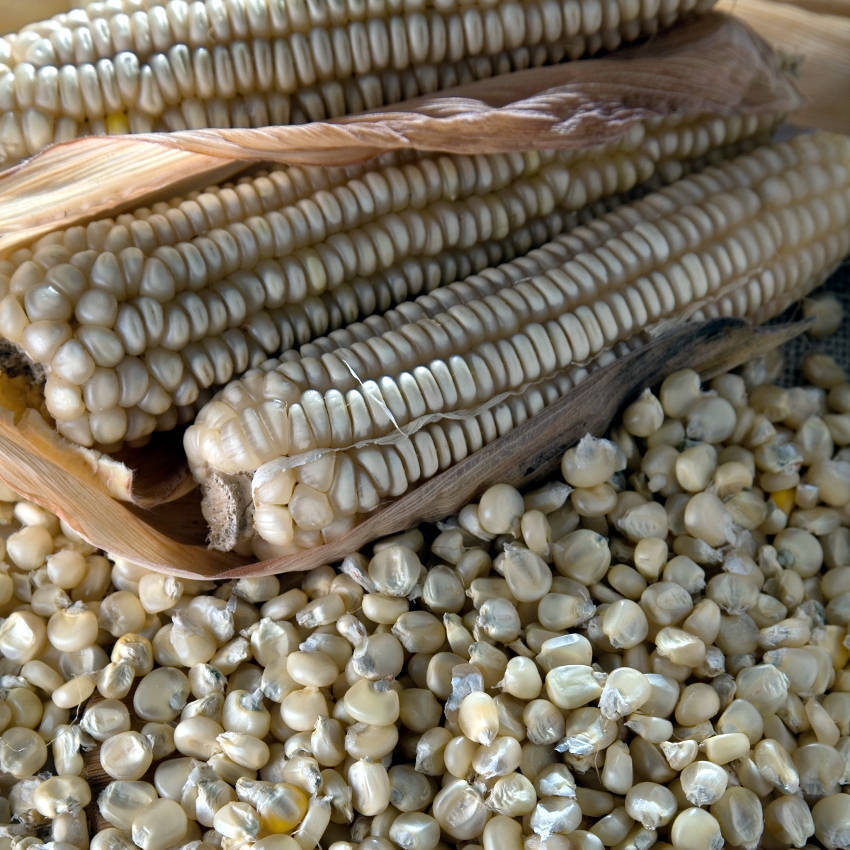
132 320
328 438
137 66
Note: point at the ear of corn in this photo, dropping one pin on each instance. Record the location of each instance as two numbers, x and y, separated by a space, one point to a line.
331 436
140 66
134 319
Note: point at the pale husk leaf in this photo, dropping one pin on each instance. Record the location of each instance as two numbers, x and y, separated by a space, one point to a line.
82 489
816 33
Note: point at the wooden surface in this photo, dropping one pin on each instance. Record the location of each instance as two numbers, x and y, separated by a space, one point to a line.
804 30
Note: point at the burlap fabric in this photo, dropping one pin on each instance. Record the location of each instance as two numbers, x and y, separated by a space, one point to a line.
837 345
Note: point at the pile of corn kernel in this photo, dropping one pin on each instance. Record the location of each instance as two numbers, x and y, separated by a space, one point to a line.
649 651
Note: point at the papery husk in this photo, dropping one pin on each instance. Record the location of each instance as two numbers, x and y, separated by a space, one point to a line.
821 7
36 465
713 64
815 34
83 488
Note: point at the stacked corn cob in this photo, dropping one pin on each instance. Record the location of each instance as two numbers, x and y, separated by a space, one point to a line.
133 319
139 66
357 417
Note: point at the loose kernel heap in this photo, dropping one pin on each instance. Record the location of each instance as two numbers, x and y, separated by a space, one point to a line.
650 651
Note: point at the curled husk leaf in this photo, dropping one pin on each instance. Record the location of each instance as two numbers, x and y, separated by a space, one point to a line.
814 36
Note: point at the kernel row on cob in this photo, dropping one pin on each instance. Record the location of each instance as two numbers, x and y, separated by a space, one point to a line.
136 66
329 434
134 319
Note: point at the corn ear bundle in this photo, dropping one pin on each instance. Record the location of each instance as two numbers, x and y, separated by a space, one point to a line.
325 439
139 66
134 319
676 86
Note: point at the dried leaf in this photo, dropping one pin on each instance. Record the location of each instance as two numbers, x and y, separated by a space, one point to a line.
713 64
821 7
803 30
76 487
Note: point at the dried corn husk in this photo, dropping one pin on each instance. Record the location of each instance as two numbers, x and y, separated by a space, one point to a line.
824 7
815 34
14 14
714 65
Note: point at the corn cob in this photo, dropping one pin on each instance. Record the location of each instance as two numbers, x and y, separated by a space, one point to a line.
139 66
133 319
327 438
